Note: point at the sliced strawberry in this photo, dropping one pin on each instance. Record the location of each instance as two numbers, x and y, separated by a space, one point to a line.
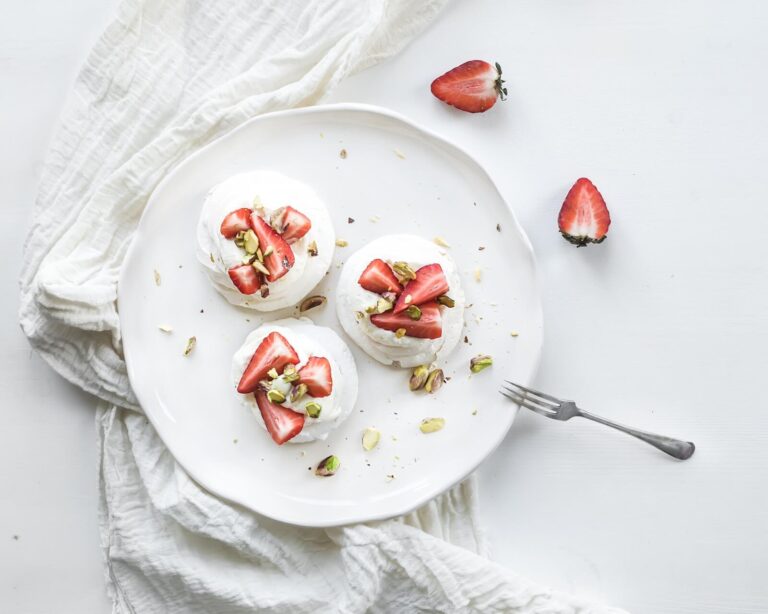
281 258
236 221
584 218
295 225
430 283
378 277
274 352
282 423
246 278
316 374
474 86
428 326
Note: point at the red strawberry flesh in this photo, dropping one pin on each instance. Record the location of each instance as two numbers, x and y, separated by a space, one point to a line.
295 225
316 374
246 279
378 277
473 86
281 258
430 283
236 221
584 216
274 352
282 424
429 326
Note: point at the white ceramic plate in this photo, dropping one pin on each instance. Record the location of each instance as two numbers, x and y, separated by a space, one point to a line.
415 182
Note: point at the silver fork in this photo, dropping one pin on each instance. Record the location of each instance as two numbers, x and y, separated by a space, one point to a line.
557 409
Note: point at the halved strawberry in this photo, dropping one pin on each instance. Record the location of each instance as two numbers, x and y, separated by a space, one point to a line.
282 423
430 283
378 277
274 352
236 221
428 326
281 258
584 218
246 278
295 225
474 86
316 374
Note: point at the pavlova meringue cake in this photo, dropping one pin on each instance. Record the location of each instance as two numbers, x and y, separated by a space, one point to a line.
400 299
298 379
264 239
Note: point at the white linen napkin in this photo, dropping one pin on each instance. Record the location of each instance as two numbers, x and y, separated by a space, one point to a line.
167 77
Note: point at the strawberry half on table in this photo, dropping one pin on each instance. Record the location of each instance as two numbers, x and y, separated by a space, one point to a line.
584 216
473 86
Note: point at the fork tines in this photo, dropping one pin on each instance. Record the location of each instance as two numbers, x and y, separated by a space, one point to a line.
539 402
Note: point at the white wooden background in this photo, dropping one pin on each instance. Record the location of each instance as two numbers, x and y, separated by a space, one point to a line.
665 326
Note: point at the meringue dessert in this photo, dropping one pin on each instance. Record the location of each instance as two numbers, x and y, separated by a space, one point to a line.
298 379
400 299
264 239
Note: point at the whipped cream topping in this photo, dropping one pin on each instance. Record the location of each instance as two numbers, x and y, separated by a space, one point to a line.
271 190
383 345
308 340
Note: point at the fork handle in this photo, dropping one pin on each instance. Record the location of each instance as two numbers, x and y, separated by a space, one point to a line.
681 450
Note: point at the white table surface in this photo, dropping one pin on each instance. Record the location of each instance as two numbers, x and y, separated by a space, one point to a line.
664 326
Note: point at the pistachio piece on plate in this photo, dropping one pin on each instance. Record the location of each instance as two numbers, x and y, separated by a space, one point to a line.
328 466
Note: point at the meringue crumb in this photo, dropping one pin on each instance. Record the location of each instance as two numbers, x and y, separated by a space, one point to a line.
165 328
441 242
191 342
375 219
343 154
399 154
158 279
341 243
478 274
514 333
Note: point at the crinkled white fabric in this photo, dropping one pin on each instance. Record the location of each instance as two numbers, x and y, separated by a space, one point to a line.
167 77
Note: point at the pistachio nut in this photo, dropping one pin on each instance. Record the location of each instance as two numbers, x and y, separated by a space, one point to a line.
446 301
313 409
431 425
383 305
478 363
418 377
403 271
400 333
250 241
268 251
276 219
273 373
297 392
275 396
191 342
328 466
371 437
413 312
435 380
312 249
311 302
260 267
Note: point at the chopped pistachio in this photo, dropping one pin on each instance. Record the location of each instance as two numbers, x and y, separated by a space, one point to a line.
276 219
313 409
370 309
360 315
403 271
478 274
446 301
478 363
297 392
273 373
257 204
312 248
265 385
390 296
276 396
250 241
514 333
341 243
165 328
400 333
191 342
435 380
413 312
383 305
289 369
498 227
264 290
343 154
248 259
328 466
418 377
431 425
311 302
375 219
268 251
158 279
441 242
399 154
260 267
212 258
474 412
259 255
371 437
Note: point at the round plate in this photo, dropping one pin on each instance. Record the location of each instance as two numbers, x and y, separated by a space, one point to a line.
395 177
